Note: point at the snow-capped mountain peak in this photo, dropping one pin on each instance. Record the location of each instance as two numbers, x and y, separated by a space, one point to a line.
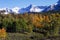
32 8
16 9
35 9
54 7
6 9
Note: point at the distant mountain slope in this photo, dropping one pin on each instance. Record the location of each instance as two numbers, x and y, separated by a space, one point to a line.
27 9
16 9
32 8
54 7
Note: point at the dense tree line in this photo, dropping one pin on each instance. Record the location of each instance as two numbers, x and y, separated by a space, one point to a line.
47 24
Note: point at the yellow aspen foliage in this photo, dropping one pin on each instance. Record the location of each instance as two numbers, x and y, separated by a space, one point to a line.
41 18
36 20
2 33
39 25
46 18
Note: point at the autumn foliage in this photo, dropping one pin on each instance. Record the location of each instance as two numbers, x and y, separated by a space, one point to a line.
27 22
2 33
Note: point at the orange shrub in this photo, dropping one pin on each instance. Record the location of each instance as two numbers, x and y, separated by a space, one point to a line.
2 33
